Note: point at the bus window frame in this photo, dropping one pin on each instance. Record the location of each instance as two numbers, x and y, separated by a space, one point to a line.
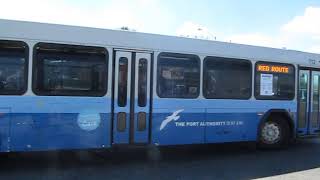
258 96
231 60
177 55
23 45
71 50
145 91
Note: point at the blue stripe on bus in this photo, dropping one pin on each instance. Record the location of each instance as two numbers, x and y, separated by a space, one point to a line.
224 105
55 104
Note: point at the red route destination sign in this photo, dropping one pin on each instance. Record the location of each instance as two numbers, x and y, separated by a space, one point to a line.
273 69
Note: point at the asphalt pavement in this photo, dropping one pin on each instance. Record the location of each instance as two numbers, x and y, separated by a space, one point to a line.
220 161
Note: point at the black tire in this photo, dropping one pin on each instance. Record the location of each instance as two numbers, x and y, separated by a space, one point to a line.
283 139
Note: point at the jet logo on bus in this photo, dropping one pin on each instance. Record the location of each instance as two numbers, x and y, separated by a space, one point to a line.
173 117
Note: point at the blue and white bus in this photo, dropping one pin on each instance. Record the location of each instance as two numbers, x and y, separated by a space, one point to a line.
66 87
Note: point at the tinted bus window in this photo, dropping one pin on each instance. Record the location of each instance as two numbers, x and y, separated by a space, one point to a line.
123 82
274 81
226 78
65 70
142 82
178 75
13 67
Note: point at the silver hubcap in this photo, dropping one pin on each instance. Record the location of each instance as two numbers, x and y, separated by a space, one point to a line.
270 133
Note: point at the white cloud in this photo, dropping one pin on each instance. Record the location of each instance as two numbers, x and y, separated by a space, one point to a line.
41 11
193 30
300 33
305 42
308 23
114 14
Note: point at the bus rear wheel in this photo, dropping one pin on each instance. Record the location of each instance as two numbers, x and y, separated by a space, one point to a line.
274 133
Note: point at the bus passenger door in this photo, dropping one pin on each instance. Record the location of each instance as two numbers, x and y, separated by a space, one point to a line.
314 103
308 102
132 89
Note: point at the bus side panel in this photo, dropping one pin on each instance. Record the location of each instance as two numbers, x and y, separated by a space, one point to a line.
50 131
230 127
60 123
22 134
210 121
177 126
238 120
4 129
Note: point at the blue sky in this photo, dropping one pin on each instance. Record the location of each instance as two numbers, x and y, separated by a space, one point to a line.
294 24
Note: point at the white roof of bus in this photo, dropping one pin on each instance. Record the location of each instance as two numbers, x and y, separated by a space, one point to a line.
41 32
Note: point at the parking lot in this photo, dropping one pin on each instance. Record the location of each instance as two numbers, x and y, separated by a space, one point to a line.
223 161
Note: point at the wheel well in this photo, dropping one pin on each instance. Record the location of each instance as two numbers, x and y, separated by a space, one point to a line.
284 114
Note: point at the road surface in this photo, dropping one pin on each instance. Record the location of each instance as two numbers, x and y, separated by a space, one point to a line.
223 161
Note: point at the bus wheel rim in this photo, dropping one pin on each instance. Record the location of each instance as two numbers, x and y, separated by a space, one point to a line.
271 133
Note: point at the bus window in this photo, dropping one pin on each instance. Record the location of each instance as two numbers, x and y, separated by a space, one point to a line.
123 82
274 81
142 82
226 78
13 67
178 75
65 70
